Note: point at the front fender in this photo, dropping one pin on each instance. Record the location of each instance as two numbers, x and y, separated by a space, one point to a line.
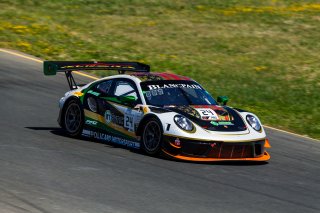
171 129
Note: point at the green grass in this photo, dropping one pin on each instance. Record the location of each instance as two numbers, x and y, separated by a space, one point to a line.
264 55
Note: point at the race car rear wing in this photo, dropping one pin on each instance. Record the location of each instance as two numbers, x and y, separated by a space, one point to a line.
52 67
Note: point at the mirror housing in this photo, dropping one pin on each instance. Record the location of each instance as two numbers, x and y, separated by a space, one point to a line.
222 100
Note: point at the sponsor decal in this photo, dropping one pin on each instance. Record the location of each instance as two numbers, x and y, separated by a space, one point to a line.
91 122
168 86
177 142
222 123
110 138
99 65
132 119
154 92
207 114
107 116
129 122
148 94
214 123
213 145
160 91
93 93
111 117
225 123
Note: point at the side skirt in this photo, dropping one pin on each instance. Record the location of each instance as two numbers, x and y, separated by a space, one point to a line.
109 138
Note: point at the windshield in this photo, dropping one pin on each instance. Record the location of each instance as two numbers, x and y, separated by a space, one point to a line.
161 93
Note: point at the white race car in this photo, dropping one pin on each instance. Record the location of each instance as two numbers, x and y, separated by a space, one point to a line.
157 112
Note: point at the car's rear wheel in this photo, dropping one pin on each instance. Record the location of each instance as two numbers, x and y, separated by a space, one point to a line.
73 118
152 137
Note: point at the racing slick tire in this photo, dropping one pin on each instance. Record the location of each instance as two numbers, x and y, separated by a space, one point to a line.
151 140
73 118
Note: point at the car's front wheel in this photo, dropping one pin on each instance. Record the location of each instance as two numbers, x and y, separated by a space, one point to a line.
152 137
73 118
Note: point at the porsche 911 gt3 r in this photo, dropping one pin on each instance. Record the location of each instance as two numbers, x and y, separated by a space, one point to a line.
157 112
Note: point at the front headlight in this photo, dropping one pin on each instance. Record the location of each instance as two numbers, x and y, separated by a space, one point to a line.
254 123
183 122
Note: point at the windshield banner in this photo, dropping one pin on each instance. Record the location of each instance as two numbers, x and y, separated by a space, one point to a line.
168 86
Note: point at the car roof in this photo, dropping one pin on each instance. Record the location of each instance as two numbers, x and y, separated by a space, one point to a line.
158 76
146 76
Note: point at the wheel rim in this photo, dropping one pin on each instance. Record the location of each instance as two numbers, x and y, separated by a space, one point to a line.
73 118
152 136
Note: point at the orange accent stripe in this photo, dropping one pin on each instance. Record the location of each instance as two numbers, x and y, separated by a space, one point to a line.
265 157
267 144
231 141
178 147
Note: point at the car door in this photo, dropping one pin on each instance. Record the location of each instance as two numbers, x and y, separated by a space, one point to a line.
124 98
109 106
95 105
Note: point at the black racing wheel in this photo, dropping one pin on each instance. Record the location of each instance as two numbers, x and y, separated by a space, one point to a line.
73 118
151 140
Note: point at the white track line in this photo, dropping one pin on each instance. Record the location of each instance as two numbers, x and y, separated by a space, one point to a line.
95 78
40 61
291 133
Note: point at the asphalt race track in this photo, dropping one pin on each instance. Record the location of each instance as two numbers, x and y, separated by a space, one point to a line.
43 170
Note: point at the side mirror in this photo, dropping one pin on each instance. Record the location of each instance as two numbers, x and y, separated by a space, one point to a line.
129 100
223 100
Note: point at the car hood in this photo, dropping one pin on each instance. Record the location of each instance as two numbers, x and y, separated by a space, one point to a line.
211 117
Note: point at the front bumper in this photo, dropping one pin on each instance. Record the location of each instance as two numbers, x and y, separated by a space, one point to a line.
196 150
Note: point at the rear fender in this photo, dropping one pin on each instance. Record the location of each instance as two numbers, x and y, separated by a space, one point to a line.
62 103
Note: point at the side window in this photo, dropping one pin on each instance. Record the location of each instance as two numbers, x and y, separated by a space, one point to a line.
104 87
126 88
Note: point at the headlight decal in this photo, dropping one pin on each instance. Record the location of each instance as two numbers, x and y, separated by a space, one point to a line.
253 122
183 123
